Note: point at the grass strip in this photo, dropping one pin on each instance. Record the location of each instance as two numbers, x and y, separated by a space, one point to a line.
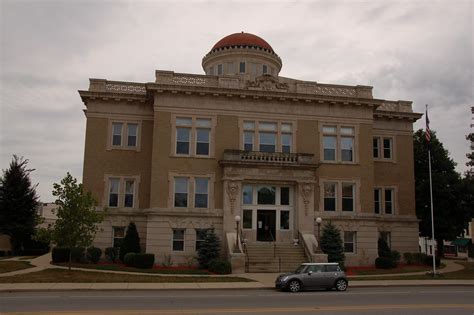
9 266
137 270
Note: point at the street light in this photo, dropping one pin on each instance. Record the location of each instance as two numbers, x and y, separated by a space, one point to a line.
318 221
237 221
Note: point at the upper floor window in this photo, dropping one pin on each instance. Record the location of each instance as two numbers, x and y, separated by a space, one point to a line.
242 67
122 192
124 135
338 143
267 136
193 136
191 192
383 148
338 196
220 70
264 69
384 200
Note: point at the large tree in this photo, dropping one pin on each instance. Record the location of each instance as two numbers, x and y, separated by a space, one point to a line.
77 221
18 204
331 243
450 217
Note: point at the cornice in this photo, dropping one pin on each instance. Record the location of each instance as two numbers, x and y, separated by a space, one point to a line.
86 96
397 115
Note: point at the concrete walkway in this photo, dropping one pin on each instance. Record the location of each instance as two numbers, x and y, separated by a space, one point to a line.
263 280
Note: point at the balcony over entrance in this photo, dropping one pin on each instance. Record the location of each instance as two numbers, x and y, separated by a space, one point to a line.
277 159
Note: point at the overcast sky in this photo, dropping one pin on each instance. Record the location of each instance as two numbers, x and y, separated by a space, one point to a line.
407 50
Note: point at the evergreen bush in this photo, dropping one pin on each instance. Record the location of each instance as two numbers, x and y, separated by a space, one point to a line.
129 259
383 249
220 266
209 249
409 258
145 261
383 263
131 242
93 254
331 244
78 254
60 254
112 253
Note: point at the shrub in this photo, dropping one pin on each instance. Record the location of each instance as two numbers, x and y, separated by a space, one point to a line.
408 258
428 260
78 254
112 253
167 261
209 249
383 263
93 254
419 258
129 259
331 244
60 254
220 266
131 242
395 257
145 261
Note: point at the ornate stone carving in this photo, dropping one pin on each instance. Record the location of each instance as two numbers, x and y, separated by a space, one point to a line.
126 88
339 91
232 191
306 193
268 83
188 80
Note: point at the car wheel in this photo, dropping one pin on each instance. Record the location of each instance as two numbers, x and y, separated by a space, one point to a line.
294 286
341 285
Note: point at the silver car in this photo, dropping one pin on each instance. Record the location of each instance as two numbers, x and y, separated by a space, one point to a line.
313 276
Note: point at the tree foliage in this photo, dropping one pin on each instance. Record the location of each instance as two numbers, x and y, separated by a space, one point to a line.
131 241
470 156
209 250
450 217
331 243
18 204
77 221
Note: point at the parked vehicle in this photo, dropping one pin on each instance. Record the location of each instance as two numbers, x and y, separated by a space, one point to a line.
313 276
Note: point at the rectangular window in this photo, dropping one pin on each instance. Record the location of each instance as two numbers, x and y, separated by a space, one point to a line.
114 185
247 219
264 69
180 192
132 135
248 140
117 134
266 195
267 142
377 199
347 148
387 148
284 196
284 220
376 147
118 235
389 201
201 192
329 196
219 70
197 130
347 197
182 140
242 67
329 148
202 141
349 242
129 191
178 240
286 143
247 194
200 236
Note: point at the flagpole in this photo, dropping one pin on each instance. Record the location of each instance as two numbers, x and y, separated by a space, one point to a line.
431 194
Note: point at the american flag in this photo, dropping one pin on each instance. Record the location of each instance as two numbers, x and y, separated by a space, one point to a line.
428 131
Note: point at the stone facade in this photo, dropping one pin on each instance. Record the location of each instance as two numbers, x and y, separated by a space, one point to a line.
190 152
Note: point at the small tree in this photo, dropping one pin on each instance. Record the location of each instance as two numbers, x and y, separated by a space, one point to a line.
77 221
382 248
331 243
18 204
209 249
131 241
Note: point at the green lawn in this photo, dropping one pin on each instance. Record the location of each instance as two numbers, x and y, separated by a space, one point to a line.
466 274
401 270
138 270
75 276
8 266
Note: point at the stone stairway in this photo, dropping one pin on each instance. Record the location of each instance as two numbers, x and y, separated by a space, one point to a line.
274 257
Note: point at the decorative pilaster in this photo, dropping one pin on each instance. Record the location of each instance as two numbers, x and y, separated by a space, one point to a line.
306 193
232 191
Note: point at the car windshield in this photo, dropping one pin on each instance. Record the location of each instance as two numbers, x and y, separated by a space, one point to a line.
300 269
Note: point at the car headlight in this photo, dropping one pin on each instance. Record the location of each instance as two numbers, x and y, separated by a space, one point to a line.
284 278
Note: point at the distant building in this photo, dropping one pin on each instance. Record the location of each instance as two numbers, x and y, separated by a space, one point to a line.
186 153
46 211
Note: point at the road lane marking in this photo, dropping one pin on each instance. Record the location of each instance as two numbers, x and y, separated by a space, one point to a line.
271 310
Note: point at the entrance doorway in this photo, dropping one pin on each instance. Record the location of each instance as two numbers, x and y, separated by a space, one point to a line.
266 225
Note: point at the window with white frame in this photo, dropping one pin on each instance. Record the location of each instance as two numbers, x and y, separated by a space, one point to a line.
383 148
377 200
338 143
178 240
265 136
193 136
220 70
350 238
384 200
122 192
191 192
264 69
388 200
338 196
124 135
118 234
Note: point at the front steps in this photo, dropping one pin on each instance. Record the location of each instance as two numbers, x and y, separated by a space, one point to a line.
273 257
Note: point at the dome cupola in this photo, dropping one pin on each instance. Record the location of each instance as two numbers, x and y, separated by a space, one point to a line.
242 54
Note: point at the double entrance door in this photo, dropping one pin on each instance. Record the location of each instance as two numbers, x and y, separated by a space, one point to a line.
266 225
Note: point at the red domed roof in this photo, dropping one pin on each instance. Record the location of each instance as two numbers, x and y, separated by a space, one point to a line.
242 39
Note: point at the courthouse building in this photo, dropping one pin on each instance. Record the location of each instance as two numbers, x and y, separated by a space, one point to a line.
189 152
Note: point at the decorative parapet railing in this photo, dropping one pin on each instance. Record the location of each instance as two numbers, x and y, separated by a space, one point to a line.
334 90
240 156
101 85
396 106
170 77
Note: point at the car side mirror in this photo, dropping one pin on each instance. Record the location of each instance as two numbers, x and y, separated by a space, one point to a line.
310 273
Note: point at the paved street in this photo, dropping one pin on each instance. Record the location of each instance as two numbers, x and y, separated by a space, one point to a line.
389 300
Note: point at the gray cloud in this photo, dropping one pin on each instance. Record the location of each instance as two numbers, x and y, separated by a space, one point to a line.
419 51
